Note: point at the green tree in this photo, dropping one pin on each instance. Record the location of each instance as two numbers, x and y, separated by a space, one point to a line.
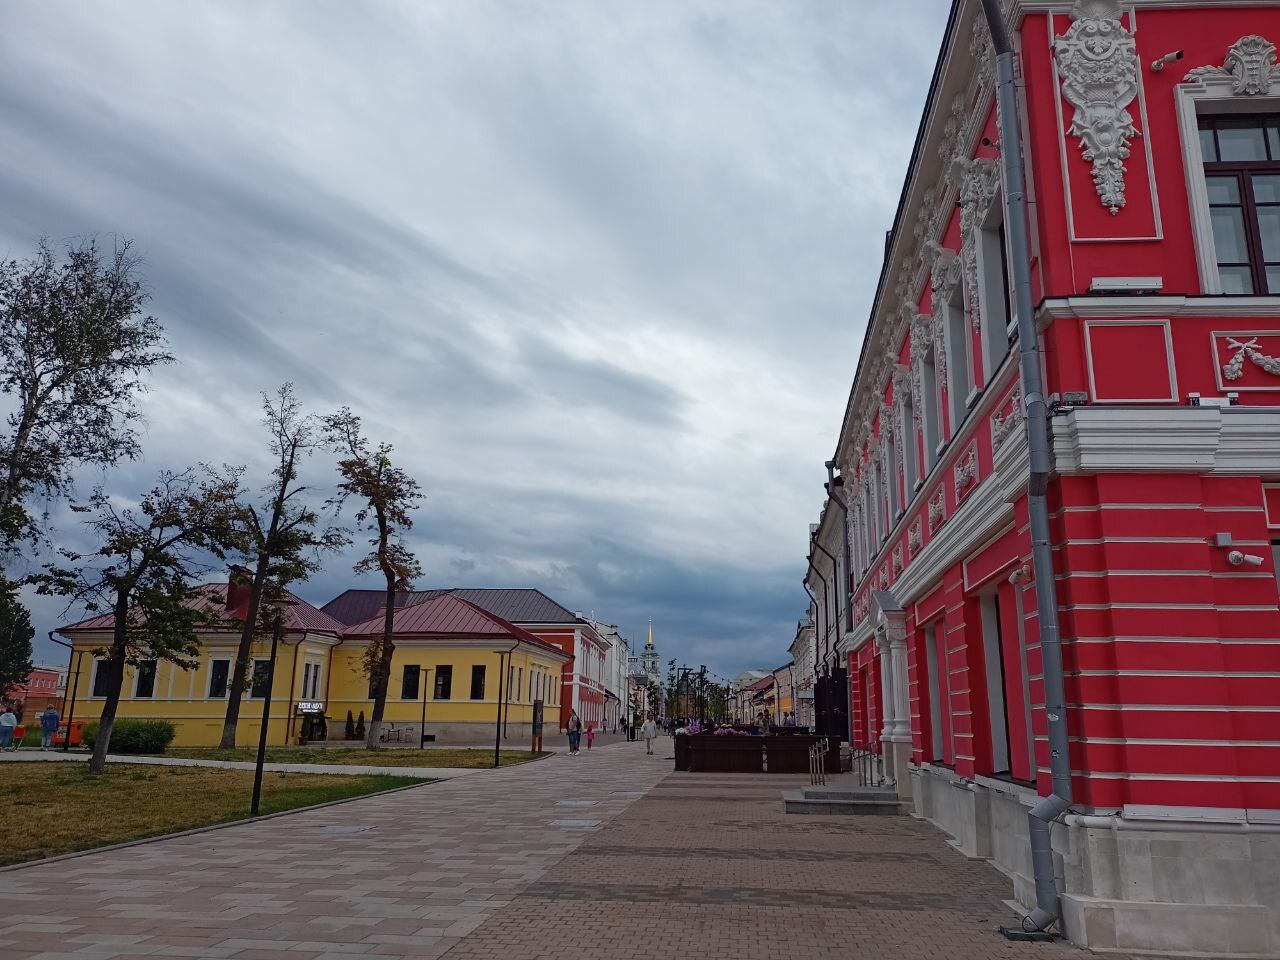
16 634
283 543
74 345
144 573
387 495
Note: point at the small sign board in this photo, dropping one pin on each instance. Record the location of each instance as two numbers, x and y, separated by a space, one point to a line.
537 718
311 706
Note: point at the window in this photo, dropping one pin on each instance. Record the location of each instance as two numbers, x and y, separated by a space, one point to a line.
102 678
444 682
931 415
258 683
895 478
409 681
520 684
959 360
218 671
993 655
907 431
477 682
935 692
1242 177
144 686
995 303
310 681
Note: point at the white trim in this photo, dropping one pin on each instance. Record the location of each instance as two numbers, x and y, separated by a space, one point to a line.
1237 441
966 584
1168 350
1253 308
1265 511
1143 137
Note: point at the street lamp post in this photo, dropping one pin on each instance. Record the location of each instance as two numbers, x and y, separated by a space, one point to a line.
277 631
426 689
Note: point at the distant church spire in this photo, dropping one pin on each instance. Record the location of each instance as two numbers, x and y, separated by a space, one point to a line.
649 645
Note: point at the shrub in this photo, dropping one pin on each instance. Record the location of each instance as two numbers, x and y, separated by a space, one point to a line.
360 726
134 736
350 731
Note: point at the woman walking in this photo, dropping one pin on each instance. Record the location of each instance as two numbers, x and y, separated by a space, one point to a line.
574 729
649 731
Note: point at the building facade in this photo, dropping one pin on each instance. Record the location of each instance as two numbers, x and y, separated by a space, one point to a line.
1151 134
45 686
459 671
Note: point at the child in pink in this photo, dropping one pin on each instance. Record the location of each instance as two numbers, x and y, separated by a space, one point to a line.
591 735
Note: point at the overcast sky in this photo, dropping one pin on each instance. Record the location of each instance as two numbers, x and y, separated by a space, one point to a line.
599 270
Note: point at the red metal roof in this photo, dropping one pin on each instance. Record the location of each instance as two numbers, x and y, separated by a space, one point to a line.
764 683
515 605
447 616
212 597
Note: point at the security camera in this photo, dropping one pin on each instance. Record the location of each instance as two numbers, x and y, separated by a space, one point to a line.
1236 558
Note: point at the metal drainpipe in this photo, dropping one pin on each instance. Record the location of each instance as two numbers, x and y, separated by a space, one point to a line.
1044 813
838 500
826 607
835 574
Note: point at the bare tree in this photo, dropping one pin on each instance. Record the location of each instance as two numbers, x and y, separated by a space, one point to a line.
387 495
143 573
283 541
74 345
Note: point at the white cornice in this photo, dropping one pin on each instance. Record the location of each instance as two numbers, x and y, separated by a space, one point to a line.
1234 440
1163 307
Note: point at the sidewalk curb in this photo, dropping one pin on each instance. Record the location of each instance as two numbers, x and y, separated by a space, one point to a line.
142 841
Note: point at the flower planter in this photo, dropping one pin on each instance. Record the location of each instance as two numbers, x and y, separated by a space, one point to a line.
730 754
790 753
684 751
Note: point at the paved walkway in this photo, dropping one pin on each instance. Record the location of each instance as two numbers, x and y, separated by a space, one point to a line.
340 769
598 857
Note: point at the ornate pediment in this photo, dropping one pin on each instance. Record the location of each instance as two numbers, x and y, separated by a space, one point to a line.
1098 62
1250 65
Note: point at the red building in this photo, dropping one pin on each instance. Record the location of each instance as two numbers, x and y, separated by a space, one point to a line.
1151 134
43 687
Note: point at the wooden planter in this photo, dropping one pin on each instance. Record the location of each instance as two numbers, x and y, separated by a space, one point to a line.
712 754
790 754
684 751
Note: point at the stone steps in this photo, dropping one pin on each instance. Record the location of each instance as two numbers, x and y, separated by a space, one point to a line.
870 801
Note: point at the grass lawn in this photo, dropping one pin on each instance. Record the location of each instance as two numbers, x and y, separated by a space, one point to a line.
53 808
358 756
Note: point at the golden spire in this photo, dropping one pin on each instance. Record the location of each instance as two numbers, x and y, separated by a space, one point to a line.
649 645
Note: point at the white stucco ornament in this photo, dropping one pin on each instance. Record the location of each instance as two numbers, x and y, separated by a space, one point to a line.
1250 65
1234 369
1098 62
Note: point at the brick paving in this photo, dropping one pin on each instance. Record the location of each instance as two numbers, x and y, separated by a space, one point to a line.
406 874
709 867
607 855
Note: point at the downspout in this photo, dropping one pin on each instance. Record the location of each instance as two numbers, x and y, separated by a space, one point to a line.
1044 813
835 573
831 485
826 610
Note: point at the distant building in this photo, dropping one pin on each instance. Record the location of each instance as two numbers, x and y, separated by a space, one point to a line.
45 685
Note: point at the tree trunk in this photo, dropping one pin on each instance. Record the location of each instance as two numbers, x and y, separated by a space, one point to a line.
382 672
107 722
239 674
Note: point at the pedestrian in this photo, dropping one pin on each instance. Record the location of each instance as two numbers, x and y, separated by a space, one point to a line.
574 729
649 731
8 723
591 735
48 727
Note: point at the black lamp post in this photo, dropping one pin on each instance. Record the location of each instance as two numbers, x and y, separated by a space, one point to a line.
277 631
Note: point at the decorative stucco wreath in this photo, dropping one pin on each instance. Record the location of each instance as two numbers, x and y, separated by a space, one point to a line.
1248 348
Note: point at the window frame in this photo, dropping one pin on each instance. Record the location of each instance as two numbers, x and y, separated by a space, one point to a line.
97 672
226 679
417 681
253 677
1209 96
1243 172
443 681
478 672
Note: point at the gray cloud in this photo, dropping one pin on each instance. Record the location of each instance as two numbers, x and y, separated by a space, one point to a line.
599 271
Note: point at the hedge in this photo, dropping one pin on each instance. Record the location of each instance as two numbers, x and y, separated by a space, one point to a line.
134 736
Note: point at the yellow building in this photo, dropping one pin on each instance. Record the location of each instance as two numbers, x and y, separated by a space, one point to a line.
465 669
